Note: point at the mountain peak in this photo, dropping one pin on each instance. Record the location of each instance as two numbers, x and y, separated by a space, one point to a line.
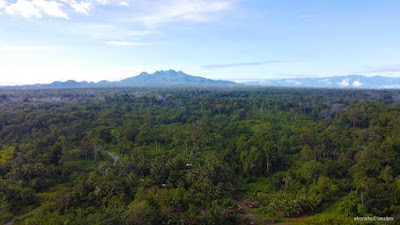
168 72
143 74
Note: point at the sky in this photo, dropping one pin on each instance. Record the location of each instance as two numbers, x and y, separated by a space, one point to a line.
46 40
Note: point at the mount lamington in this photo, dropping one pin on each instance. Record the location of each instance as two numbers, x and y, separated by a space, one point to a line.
171 77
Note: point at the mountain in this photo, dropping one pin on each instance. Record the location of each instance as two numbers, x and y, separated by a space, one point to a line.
159 78
171 77
350 81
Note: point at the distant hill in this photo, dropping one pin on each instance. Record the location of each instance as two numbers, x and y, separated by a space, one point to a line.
159 78
350 81
69 83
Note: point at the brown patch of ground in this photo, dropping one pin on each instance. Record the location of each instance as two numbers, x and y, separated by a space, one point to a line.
253 216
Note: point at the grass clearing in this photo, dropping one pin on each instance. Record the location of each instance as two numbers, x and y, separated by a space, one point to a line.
6 153
330 215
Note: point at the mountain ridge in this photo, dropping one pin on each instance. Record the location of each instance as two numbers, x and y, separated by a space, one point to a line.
172 78
159 78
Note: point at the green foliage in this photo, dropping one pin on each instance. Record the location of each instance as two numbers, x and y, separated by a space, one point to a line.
185 153
6 153
141 213
330 220
5 209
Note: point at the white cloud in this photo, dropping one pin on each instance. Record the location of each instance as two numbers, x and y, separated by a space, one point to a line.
103 2
149 13
125 43
3 4
51 8
81 7
36 9
123 3
357 83
39 8
186 10
344 83
24 8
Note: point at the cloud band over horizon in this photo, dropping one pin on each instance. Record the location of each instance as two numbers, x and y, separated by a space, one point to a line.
231 65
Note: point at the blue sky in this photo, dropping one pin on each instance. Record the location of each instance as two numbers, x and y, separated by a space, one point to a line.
46 40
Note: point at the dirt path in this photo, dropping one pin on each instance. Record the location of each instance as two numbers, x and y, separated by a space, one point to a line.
12 221
112 155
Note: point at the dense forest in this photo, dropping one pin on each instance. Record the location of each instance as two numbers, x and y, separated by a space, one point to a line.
199 156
